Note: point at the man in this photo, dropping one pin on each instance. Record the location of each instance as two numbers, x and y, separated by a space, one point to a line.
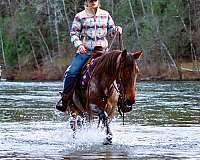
89 29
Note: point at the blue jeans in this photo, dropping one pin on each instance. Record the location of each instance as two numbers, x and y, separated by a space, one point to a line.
73 71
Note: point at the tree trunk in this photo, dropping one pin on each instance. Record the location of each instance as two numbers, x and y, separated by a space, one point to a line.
50 24
56 29
165 47
142 4
192 50
2 49
152 12
112 4
48 51
35 58
162 44
66 16
133 18
19 64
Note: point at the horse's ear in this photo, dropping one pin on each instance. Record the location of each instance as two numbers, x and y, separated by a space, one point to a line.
123 56
137 55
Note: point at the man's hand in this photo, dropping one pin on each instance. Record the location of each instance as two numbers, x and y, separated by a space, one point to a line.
82 49
119 29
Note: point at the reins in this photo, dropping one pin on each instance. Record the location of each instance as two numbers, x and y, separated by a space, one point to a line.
120 88
113 40
121 96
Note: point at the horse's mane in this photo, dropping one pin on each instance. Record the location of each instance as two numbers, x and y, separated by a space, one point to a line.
107 62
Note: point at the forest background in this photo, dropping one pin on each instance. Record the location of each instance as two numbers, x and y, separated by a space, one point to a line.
35 42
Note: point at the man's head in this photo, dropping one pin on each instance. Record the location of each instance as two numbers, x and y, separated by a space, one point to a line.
93 3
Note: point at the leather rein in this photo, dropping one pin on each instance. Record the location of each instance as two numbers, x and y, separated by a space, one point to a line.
119 88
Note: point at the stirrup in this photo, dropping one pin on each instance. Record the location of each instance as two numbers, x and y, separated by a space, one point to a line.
59 106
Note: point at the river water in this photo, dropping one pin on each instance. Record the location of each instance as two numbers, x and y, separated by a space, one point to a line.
164 124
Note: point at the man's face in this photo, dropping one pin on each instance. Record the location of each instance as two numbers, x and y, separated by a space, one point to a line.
93 3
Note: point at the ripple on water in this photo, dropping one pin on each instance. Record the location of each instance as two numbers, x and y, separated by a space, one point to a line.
39 139
164 124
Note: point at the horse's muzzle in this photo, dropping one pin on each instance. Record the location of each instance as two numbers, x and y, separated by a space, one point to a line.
130 102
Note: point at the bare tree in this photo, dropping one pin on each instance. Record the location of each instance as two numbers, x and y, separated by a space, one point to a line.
48 51
56 27
35 58
192 50
2 49
66 16
133 18
142 4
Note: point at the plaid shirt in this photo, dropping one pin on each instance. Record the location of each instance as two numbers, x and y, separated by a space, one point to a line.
90 29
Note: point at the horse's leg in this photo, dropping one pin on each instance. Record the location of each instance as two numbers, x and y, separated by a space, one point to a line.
75 120
73 123
103 116
108 139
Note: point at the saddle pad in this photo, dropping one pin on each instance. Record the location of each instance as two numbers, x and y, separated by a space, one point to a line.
87 73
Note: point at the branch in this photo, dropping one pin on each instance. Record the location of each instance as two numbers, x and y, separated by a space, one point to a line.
165 47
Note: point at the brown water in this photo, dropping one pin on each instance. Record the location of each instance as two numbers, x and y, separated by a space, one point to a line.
164 124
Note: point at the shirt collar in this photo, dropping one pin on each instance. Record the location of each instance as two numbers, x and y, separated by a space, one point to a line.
90 12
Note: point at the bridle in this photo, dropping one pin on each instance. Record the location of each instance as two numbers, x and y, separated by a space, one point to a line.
121 89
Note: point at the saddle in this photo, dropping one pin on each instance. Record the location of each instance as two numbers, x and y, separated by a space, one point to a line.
89 66
98 51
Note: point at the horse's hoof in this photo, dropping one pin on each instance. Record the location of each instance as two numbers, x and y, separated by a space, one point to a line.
74 135
108 140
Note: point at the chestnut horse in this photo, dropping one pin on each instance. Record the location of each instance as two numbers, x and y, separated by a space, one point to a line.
112 83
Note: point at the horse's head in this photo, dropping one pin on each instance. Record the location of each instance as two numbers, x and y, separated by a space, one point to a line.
127 76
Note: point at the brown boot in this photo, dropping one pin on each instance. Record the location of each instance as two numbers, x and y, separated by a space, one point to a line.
65 100
66 97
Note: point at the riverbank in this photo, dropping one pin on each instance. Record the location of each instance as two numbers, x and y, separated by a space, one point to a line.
183 75
55 71
53 75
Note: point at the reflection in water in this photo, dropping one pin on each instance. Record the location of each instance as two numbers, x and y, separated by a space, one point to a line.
167 104
96 155
164 124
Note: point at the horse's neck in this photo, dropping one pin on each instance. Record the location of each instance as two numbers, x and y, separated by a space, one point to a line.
107 73
105 81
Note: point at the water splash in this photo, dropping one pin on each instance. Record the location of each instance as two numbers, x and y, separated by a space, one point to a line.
164 124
